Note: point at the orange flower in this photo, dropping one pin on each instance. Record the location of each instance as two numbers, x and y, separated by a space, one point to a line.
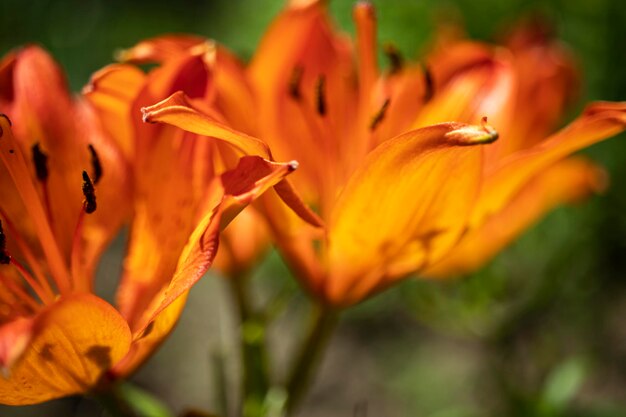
188 64
392 178
56 337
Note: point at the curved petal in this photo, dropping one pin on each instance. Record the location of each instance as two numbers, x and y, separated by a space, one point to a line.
159 49
148 341
14 339
236 255
75 340
568 181
230 194
404 208
112 91
599 121
547 82
178 111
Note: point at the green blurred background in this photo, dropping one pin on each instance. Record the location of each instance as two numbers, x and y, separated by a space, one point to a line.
541 331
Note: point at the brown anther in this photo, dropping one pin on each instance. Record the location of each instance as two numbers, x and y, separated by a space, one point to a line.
429 84
40 160
294 83
379 116
95 164
320 95
89 204
5 258
396 61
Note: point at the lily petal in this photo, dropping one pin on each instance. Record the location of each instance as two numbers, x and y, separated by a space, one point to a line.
568 181
75 340
14 339
112 91
599 121
178 111
239 187
159 49
404 208
147 341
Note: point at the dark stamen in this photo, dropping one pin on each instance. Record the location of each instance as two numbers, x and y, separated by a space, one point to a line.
396 61
379 116
320 95
40 160
294 83
429 84
95 164
90 194
5 258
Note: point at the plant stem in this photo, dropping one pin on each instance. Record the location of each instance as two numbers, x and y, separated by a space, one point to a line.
255 379
322 327
114 404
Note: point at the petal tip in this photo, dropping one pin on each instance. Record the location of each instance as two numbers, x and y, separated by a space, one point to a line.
7 118
473 135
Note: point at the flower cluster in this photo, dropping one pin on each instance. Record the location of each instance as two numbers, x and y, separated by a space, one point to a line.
416 169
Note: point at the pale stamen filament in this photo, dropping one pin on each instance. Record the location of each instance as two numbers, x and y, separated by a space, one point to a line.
30 258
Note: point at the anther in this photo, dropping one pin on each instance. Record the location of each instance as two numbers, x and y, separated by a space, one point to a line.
429 85
294 83
379 116
95 164
320 95
5 258
396 61
89 192
40 160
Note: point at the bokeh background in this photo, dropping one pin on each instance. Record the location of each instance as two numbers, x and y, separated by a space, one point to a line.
541 331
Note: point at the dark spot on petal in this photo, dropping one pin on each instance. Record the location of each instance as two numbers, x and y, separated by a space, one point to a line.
100 355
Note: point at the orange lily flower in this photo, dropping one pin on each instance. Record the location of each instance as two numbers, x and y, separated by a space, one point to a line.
186 63
57 338
164 216
393 179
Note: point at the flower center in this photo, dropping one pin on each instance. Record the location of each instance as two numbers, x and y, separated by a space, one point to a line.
45 273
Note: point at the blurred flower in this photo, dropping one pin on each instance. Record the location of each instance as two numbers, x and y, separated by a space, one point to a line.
528 172
56 337
381 161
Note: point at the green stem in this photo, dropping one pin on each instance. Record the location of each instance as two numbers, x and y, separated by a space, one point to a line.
114 403
255 378
322 327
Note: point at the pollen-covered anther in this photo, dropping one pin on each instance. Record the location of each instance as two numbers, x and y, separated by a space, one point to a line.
396 61
89 204
5 258
473 135
294 83
379 116
95 164
40 160
320 95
